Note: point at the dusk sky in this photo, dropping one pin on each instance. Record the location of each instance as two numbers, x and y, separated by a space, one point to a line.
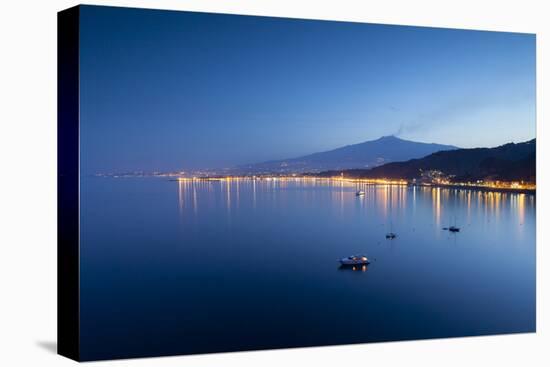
174 90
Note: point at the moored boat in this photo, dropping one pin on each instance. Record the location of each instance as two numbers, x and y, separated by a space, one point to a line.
355 260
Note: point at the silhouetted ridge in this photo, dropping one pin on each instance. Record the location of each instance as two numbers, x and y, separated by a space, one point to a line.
508 162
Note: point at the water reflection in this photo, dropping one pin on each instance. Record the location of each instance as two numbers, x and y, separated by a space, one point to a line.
521 208
436 201
254 193
195 205
280 239
358 268
180 196
391 203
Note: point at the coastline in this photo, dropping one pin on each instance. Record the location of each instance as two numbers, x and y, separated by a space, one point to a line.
373 182
338 179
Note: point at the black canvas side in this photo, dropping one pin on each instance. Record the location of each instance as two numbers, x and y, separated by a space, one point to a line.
68 183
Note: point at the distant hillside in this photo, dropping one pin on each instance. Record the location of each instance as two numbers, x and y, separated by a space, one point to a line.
363 155
507 162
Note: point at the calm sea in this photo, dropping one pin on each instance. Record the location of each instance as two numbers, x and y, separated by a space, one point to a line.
191 267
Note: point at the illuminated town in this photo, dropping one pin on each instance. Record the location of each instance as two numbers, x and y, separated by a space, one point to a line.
429 178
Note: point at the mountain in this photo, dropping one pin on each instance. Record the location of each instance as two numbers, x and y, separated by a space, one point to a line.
509 162
363 155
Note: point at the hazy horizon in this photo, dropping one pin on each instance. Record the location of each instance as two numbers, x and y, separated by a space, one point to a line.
286 157
165 90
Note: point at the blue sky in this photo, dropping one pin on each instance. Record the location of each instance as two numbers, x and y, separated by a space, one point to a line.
175 90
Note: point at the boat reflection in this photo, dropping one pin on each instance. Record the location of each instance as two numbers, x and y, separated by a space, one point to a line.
359 268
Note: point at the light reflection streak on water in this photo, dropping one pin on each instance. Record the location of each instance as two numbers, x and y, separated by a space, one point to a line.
228 195
180 196
436 199
195 206
498 198
389 200
521 208
414 200
254 193
341 197
469 206
384 201
237 190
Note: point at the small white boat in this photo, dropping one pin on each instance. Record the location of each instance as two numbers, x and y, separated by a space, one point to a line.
360 193
355 260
